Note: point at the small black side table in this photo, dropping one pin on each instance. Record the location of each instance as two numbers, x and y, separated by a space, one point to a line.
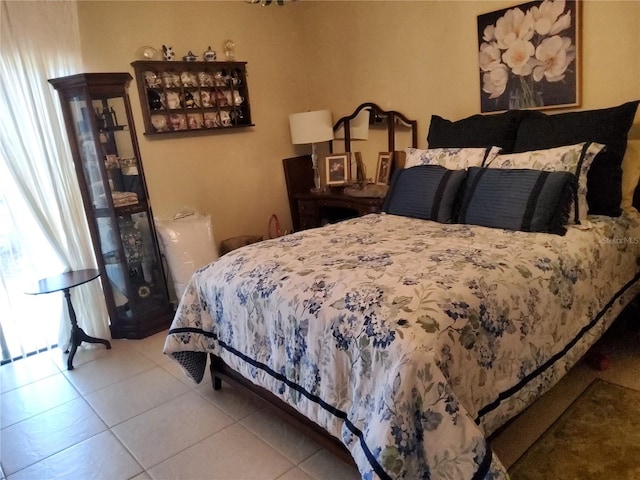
65 282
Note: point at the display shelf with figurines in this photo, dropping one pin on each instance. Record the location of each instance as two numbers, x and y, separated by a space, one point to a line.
192 96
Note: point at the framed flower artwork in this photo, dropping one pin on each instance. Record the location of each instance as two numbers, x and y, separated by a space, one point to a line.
529 56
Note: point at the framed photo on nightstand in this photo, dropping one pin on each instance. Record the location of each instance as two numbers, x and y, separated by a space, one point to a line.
384 168
337 169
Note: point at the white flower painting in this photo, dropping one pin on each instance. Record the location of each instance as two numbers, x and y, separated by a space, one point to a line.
528 56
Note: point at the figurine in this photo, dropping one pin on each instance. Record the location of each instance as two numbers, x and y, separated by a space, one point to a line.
189 79
159 122
155 102
152 79
190 57
173 100
228 46
206 80
189 101
205 97
209 55
167 52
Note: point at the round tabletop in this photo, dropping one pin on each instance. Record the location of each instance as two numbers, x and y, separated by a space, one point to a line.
63 281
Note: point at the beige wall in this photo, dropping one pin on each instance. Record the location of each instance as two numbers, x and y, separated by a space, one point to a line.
235 176
417 57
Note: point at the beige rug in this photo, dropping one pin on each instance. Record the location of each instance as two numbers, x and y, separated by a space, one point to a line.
597 437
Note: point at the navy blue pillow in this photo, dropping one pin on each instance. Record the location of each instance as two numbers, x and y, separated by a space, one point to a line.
428 192
518 199
608 126
476 131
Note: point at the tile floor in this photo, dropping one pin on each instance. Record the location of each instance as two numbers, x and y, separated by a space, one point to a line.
130 413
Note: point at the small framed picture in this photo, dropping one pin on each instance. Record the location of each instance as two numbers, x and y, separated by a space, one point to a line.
337 168
384 168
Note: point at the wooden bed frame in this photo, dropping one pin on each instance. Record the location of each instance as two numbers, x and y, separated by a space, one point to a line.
220 371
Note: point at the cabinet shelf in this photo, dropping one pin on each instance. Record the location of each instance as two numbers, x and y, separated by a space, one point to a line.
178 97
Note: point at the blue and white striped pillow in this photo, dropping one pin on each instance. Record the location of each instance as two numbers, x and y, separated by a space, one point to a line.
517 199
428 192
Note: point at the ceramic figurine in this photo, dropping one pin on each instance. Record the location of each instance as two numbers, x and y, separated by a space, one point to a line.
209 55
159 122
225 118
173 100
205 97
192 122
189 101
189 79
190 57
152 79
155 102
209 120
220 79
167 52
206 80
177 122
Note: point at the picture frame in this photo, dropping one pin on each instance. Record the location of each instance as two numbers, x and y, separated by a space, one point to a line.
540 67
384 168
337 169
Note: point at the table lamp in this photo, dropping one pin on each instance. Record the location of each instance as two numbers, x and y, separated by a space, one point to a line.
311 127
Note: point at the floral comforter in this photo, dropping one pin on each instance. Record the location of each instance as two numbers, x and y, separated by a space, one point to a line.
410 340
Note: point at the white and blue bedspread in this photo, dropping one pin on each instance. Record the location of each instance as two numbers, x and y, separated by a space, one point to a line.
409 340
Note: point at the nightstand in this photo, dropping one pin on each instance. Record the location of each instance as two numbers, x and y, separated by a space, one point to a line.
316 210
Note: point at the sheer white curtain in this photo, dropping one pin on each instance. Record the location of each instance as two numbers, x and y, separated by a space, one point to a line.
40 40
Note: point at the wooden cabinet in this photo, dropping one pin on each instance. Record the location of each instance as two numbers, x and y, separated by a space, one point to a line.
192 96
315 210
103 141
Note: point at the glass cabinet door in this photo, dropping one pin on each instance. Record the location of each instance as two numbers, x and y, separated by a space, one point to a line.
111 178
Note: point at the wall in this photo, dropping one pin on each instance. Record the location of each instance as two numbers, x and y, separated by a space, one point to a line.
417 57
235 176
420 57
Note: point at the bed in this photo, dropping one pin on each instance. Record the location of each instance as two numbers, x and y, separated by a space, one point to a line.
412 335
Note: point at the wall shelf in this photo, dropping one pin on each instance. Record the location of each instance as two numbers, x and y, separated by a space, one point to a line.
178 97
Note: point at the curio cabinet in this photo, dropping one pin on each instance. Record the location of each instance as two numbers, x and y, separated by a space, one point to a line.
97 114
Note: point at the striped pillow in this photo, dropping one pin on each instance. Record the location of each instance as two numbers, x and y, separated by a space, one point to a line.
518 199
427 191
576 159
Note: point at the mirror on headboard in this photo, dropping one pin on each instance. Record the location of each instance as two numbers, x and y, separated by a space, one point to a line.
370 130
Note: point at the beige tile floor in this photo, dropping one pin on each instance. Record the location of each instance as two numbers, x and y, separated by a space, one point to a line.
131 413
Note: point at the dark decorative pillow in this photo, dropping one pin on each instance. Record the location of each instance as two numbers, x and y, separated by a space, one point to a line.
608 126
428 192
520 199
476 131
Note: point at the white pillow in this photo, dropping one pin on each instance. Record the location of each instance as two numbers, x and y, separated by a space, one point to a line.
576 159
451 158
188 244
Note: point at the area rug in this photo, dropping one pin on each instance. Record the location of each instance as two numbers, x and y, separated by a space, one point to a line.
597 437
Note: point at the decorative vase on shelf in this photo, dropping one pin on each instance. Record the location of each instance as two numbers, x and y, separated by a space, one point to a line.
131 240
